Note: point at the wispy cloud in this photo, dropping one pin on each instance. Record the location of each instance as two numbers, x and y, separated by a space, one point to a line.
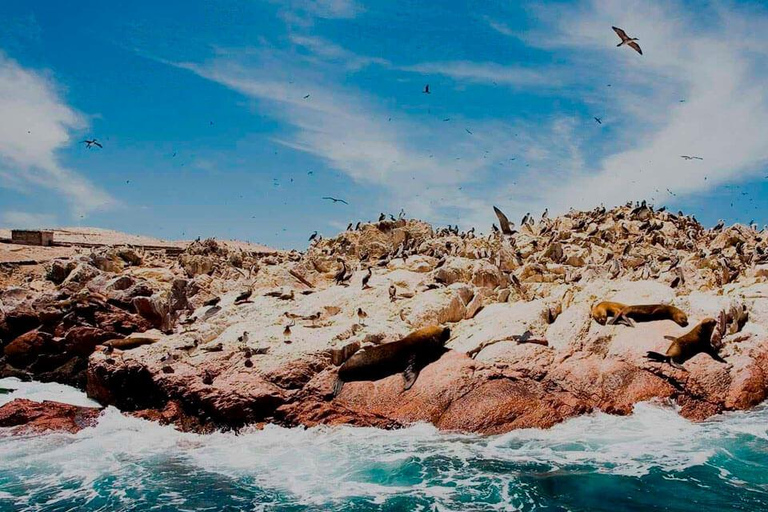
455 171
17 219
698 90
34 124
304 12
421 163
489 72
328 51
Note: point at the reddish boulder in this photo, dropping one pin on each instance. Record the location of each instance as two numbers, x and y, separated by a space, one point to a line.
25 416
26 348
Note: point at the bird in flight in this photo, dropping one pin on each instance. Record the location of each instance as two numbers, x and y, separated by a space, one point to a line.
469 132
336 200
599 121
91 143
426 89
307 96
686 157
626 40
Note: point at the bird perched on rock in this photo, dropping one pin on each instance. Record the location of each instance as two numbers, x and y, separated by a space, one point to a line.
392 293
361 315
244 296
312 236
626 40
367 278
287 329
212 302
382 217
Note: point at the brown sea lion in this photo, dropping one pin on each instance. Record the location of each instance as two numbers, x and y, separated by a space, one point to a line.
649 313
407 355
129 343
698 340
602 310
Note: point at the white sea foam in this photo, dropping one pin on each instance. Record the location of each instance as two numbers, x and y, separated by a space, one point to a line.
39 391
328 465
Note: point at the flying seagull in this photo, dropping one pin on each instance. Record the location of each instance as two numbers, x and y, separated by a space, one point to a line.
92 142
599 121
626 40
426 89
686 157
336 200
503 221
307 96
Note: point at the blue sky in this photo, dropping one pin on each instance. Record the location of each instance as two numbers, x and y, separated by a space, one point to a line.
206 130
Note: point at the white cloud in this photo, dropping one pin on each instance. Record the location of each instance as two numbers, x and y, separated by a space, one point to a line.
718 66
420 162
329 51
711 66
304 12
34 124
23 220
489 72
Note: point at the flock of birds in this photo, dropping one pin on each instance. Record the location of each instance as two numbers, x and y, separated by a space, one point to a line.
625 40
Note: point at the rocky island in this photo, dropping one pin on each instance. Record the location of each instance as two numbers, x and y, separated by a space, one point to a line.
213 335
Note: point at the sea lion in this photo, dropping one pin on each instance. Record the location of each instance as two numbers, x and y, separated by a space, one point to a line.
649 313
129 343
698 340
601 311
407 355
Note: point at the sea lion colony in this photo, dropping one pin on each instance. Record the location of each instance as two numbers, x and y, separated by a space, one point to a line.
192 299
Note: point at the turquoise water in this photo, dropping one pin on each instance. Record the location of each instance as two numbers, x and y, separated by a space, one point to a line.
652 460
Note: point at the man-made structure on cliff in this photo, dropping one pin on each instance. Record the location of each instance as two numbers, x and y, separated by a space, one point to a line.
32 237
219 362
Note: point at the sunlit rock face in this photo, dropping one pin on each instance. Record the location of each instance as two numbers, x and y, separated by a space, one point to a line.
222 335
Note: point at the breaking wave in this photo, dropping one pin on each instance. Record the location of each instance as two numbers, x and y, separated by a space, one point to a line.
653 459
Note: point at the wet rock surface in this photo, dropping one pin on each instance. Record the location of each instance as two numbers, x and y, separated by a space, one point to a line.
22 416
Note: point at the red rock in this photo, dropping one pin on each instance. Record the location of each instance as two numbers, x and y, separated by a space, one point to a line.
25 416
26 348
121 322
83 340
18 321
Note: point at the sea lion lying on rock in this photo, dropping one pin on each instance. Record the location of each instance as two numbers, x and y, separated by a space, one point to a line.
698 340
407 355
129 342
641 313
649 313
601 311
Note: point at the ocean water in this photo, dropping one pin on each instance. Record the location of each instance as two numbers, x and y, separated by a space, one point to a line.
651 460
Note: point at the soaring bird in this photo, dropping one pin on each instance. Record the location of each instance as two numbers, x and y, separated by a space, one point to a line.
686 157
503 221
599 121
312 236
626 40
336 200
426 89
92 142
